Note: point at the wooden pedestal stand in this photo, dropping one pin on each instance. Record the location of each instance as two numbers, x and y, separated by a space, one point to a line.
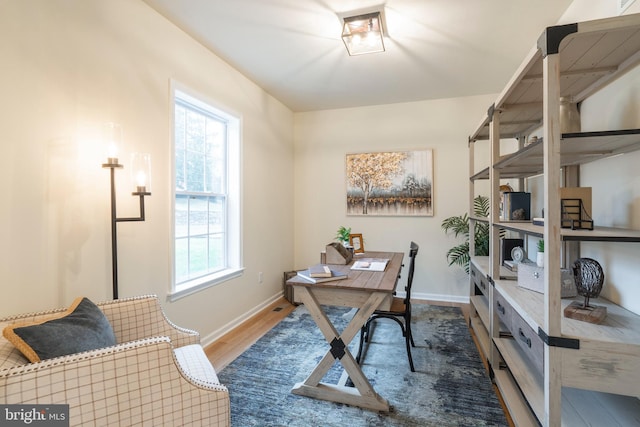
591 314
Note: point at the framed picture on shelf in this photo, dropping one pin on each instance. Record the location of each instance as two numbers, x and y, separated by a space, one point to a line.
395 183
355 240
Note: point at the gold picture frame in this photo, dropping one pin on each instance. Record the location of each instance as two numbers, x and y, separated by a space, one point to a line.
357 243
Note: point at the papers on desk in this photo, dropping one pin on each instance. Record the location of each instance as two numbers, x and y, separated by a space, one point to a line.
370 264
335 275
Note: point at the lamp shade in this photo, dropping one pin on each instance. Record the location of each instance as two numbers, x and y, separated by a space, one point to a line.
363 34
141 171
112 136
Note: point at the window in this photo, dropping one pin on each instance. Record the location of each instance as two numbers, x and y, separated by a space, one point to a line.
206 209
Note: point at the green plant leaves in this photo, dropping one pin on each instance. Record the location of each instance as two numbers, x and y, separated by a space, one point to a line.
459 226
343 234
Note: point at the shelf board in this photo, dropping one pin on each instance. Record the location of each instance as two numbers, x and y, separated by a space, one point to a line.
621 326
483 174
598 234
579 407
481 305
529 382
575 149
482 335
583 407
482 262
475 218
515 403
613 47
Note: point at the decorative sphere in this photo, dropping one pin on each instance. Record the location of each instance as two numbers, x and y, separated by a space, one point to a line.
588 276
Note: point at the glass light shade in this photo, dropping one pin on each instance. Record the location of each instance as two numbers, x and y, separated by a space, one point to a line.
363 34
112 136
141 172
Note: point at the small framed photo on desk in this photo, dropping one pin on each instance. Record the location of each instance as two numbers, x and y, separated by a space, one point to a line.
355 240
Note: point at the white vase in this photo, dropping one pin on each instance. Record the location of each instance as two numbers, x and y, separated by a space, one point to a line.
569 116
540 259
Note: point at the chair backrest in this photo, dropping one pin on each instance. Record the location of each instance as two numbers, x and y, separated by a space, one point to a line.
413 251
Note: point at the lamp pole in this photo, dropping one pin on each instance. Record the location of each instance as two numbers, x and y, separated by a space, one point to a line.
112 163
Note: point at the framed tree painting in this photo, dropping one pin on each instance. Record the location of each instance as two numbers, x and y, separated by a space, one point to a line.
390 183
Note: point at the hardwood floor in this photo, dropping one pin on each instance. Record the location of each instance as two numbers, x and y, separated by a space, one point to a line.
231 345
234 343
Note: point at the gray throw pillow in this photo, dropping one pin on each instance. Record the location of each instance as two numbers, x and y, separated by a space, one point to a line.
82 327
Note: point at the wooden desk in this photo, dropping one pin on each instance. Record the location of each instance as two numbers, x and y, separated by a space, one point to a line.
367 291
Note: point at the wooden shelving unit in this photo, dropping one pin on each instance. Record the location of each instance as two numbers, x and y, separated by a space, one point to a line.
598 234
552 370
575 149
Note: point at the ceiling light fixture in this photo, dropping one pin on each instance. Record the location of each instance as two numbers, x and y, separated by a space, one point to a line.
363 34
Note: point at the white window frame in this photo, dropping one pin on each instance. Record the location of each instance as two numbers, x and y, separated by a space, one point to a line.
233 218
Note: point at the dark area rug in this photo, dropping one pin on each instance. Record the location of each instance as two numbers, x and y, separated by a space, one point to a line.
449 388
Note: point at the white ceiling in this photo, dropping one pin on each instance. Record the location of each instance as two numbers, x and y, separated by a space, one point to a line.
434 48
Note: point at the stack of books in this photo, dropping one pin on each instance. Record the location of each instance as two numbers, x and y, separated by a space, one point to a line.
511 265
538 221
321 273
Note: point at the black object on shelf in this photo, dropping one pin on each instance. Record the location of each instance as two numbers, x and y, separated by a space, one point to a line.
506 246
574 215
517 206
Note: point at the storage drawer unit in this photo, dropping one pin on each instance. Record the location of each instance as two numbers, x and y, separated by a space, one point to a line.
504 310
529 341
480 281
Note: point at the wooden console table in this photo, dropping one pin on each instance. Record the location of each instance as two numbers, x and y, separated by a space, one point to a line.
367 291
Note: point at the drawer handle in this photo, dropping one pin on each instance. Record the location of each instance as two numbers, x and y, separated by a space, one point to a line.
524 338
536 274
483 286
500 307
473 272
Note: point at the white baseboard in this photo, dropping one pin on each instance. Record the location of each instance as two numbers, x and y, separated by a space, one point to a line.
438 297
213 336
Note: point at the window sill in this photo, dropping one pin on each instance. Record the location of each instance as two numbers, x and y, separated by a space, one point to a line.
203 283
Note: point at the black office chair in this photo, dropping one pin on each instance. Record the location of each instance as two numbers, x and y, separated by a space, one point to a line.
400 312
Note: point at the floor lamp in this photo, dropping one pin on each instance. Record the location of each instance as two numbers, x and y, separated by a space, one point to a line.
141 167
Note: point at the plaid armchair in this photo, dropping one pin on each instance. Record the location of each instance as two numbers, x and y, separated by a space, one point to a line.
157 374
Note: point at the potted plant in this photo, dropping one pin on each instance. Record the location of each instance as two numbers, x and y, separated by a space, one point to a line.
343 235
540 254
459 226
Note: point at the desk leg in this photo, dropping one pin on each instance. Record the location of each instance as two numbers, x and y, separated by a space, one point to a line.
363 395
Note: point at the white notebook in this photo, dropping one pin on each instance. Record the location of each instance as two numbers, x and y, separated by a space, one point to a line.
370 264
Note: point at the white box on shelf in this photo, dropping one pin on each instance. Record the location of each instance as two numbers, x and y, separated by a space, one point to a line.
531 277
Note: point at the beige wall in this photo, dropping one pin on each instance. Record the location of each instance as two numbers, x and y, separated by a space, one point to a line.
68 66
322 140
